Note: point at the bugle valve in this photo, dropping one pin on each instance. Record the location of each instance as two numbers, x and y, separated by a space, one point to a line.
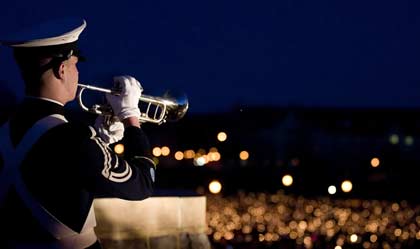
153 109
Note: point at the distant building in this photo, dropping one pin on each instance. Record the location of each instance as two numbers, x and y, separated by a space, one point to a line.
319 146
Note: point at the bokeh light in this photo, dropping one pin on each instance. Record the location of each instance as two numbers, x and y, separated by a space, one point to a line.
394 139
189 154
353 238
287 180
215 187
165 151
179 155
214 156
374 162
244 155
119 148
409 140
157 152
200 161
373 238
266 218
346 186
222 136
213 149
200 152
332 190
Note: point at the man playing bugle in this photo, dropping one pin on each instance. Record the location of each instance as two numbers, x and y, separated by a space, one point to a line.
51 169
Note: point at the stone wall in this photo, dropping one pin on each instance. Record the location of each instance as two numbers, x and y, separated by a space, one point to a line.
154 223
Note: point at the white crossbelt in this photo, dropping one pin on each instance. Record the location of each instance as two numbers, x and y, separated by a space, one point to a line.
10 176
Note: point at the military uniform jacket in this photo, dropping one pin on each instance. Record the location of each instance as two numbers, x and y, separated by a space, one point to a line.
67 168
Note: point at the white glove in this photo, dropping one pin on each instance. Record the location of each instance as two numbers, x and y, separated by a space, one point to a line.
111 130
126 103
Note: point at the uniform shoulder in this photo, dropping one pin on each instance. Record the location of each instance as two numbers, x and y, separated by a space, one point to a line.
75 130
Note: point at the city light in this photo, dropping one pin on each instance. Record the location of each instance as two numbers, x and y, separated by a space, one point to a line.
353 238
215 187
394 139
157 151
213 156
244 155
409 140
213 149
395 207
189 154
179 155
200 152
373 238
287 180
343 222
222 136
375 162
346 186
165 151
119 148
307 241
200 161
332 190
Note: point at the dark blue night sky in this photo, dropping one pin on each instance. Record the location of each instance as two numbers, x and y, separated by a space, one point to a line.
226 53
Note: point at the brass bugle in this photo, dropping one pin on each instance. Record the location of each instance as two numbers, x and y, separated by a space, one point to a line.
153 109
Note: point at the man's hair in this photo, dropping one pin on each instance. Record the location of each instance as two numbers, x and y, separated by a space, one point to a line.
31 70
34 62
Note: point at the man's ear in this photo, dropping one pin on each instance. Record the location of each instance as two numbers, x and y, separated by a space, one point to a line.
59 70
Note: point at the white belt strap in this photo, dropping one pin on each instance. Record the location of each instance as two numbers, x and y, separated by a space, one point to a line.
10 175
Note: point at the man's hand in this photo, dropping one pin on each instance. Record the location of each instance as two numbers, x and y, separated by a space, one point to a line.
125 104
110 129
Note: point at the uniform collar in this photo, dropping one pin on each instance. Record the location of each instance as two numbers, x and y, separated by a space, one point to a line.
46 99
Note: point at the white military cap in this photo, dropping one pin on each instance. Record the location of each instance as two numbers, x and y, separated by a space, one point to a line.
56 39
50 33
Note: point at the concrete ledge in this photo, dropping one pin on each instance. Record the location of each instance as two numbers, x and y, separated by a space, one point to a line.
157 222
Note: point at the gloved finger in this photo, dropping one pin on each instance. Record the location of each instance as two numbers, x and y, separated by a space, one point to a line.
116 126
120 82
128 84
118 135
131 82
139 86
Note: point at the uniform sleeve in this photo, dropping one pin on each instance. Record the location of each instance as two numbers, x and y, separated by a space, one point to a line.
129 175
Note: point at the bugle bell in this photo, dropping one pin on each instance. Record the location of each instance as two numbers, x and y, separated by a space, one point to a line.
153 109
